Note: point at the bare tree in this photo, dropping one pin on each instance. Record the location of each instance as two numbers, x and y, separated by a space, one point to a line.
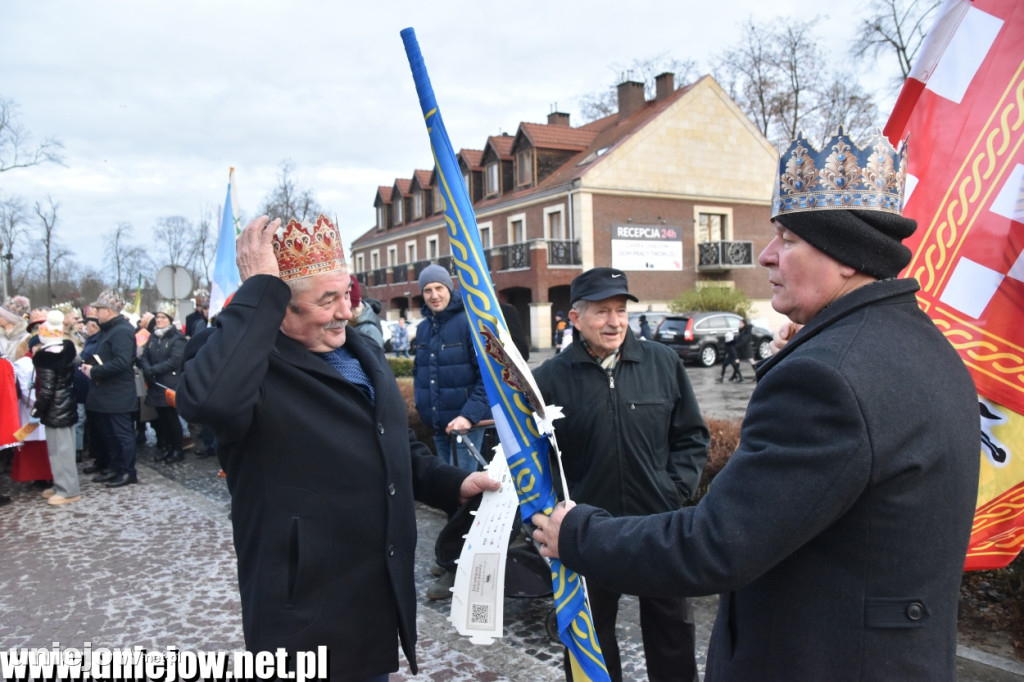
16 150
206 245
286 201
125 259
600 104
13 235
896 28
53 251
779 77
747 71
176 234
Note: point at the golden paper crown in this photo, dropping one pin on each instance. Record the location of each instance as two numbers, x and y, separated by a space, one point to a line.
841 176
304 250
167 308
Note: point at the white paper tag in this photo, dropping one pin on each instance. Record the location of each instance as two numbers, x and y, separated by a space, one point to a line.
479 592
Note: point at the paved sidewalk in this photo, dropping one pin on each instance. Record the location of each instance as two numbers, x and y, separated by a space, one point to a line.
153 565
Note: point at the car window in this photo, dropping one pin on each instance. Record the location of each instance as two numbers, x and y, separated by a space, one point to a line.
712 323
733 322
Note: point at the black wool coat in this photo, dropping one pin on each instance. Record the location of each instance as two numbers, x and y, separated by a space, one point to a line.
161 361
112 385
322 486
837 532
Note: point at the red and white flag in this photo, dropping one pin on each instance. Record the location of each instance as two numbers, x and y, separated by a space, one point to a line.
963 106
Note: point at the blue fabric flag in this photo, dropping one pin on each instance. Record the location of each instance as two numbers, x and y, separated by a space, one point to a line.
226 279
518 410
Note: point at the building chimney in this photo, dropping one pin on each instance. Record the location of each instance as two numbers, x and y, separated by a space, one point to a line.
631 98
557 118
665 85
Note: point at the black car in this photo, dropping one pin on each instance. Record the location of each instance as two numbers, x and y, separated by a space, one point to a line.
700 337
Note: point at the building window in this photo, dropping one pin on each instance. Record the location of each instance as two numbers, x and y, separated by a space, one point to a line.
485 235
410 252
398 212
359 263
524 167
374 260
492 178
554 226
465 179
392 256
517 229
432 251
417 205
712 227
381 218
438 201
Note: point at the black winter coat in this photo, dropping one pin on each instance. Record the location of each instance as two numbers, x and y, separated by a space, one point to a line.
632 442
55 395
322 486
112 387
837 532
161 362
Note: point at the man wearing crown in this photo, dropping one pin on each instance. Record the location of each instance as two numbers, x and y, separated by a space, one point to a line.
837 532
321 464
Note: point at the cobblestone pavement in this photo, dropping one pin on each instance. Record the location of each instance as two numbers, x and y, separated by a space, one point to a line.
153 565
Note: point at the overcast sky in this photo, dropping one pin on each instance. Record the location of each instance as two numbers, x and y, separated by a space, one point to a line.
154 101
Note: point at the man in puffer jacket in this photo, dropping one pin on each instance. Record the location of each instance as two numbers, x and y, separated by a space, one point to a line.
56 408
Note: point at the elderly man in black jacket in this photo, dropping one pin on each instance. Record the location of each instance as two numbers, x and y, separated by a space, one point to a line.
837 532
110 366
633 442
321 464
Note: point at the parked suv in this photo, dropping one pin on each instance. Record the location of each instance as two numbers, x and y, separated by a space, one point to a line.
700 337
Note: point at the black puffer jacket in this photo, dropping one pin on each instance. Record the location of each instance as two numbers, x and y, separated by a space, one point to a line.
55 397
161 362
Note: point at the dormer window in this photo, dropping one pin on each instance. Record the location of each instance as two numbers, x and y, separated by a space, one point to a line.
524 168
492 178
381 218
417 205
439 201
399 218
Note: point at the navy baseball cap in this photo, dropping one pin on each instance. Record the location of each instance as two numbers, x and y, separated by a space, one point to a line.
597 284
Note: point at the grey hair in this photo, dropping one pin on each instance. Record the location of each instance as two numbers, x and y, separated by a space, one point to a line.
580 306
299 286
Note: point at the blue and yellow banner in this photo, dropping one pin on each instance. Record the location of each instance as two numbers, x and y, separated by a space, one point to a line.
518 410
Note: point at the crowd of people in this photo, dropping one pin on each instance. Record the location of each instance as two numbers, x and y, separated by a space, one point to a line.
80 386
835 535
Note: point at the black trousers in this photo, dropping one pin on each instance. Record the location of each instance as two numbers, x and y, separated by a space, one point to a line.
667 628
169 427
116 435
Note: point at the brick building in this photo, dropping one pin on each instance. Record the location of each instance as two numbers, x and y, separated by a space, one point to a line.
676 191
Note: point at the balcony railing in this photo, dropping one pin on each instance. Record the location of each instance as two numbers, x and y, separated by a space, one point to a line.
378 277
564 252
713 256
515 256
401 273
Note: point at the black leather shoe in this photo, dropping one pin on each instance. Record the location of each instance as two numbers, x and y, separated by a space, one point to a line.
203 454
104 476
175 456
123 479
90 469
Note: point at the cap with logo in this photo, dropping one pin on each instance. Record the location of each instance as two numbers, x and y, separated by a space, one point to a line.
597 284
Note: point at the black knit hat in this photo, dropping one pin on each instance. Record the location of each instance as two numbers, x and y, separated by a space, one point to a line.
870 241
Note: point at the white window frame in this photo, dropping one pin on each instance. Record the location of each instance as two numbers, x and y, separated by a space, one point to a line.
560 212
485 229
392 256
417 205
727 230
518 217
493 183
359 263
433 248
399 211
375 259
438 200
382 217
410 251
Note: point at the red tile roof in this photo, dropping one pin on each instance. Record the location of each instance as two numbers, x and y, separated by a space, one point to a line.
423 178
402 185
502 146
383 195
472 158
543 136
